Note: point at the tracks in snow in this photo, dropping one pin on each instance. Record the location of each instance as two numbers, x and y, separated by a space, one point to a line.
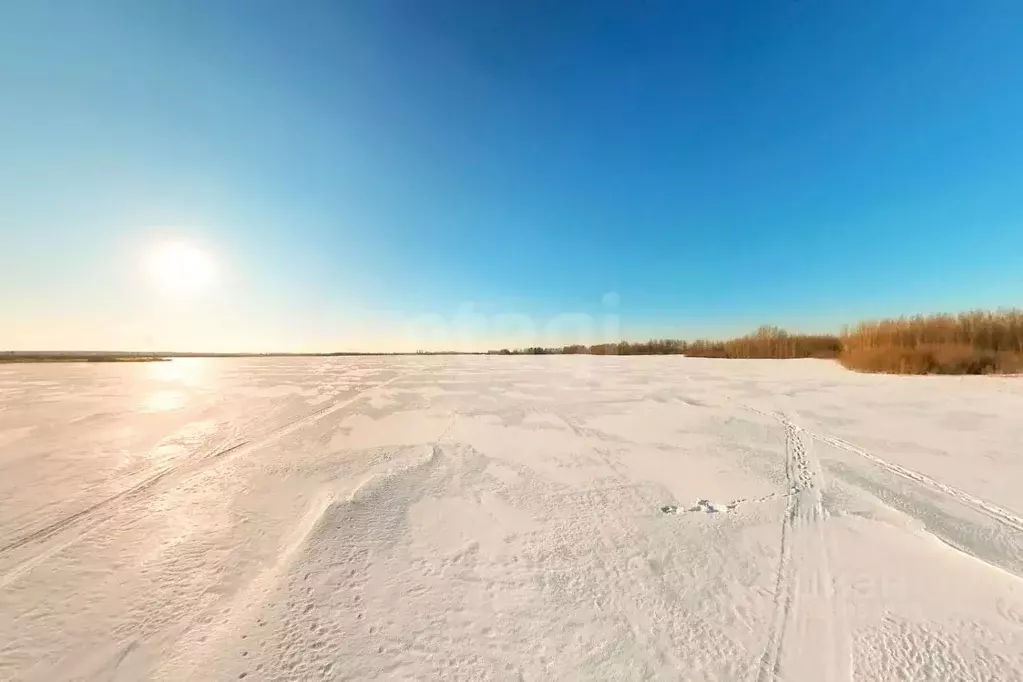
992 510
132 491
106 509
808 618
1008 520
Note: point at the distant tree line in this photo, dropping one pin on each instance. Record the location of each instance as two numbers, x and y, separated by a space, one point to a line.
977 342
766 342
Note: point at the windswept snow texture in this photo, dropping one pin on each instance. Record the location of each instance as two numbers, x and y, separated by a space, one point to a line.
508 518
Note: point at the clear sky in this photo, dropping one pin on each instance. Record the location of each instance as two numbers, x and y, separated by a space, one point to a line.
384 174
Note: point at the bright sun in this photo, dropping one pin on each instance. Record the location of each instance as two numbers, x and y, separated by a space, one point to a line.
181 269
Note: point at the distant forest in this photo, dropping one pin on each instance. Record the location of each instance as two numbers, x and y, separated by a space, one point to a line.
976 342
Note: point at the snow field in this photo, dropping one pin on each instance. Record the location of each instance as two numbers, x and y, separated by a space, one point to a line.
508 518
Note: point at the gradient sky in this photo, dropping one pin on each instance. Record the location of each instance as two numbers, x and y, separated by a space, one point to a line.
388 174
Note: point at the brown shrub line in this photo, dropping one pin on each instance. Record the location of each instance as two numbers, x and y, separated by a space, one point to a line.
975 342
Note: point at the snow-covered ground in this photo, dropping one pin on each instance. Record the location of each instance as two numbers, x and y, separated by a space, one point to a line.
532 518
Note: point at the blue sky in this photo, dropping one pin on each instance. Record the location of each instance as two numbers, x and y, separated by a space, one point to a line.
362 171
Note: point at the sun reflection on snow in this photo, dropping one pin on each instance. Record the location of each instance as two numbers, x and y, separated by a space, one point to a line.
174 380
188 371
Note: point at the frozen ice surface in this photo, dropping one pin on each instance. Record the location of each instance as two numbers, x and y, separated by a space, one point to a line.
531 518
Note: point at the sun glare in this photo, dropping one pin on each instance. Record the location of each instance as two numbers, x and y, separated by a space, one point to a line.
181 269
